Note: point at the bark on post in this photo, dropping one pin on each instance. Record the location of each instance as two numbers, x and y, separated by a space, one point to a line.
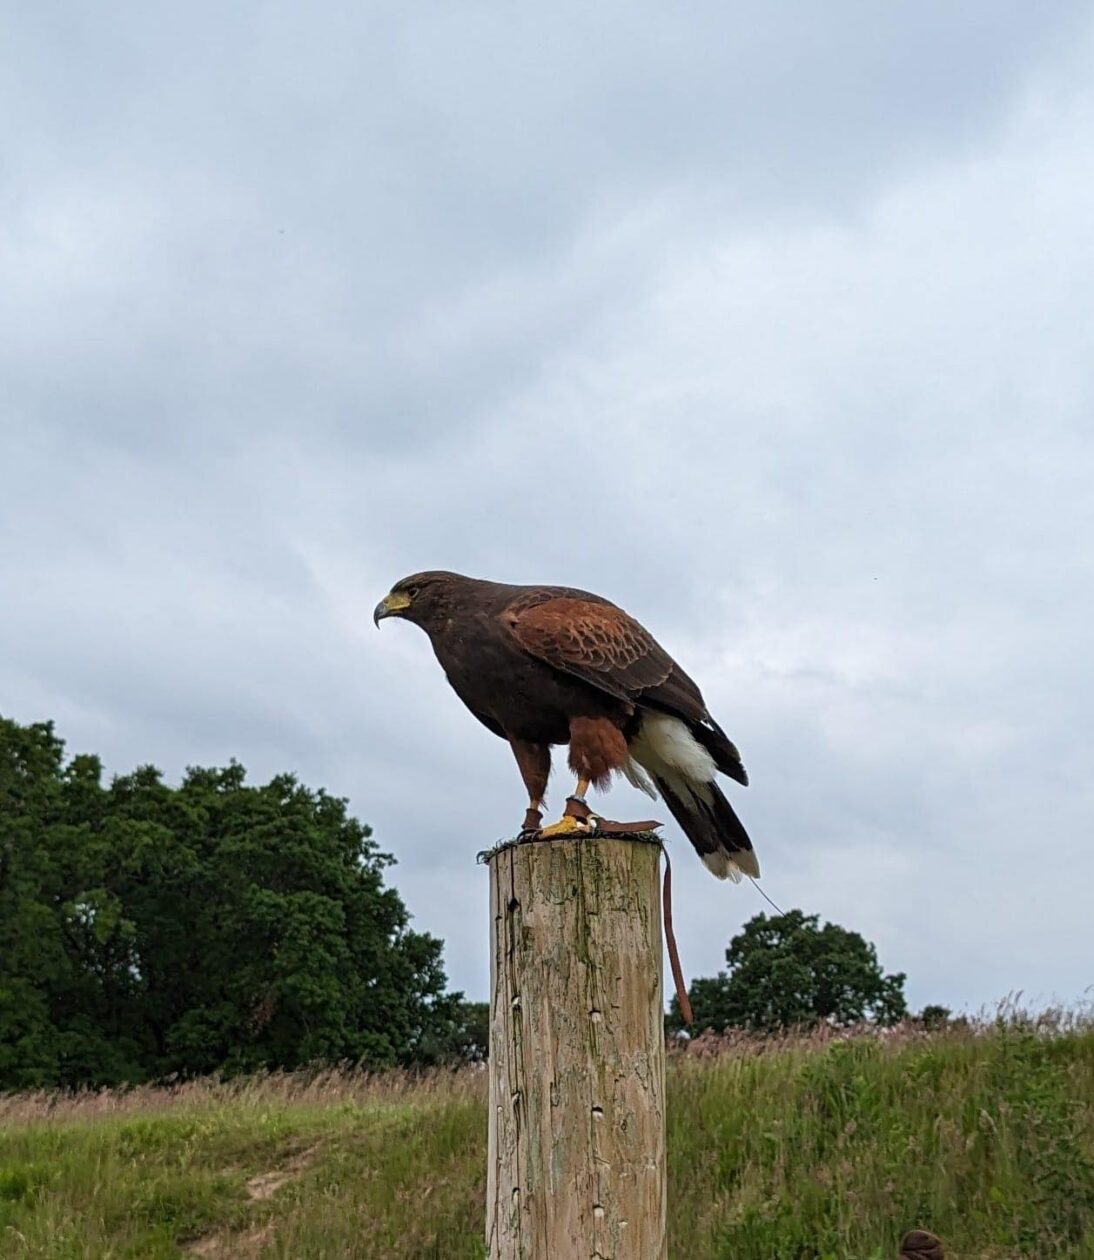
577 1055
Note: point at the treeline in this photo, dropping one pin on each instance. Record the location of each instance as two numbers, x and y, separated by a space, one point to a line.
149 930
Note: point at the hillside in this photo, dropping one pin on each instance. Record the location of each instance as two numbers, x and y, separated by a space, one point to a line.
799 1148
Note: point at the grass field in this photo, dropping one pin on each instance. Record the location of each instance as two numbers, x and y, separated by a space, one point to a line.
800 1148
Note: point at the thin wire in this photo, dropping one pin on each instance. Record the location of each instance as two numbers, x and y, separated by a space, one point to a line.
765 896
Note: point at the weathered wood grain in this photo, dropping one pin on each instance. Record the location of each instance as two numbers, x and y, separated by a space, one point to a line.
576 1157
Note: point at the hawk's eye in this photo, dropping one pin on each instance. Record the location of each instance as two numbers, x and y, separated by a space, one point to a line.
412 591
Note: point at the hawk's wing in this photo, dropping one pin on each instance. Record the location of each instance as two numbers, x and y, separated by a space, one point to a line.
590 638
599 643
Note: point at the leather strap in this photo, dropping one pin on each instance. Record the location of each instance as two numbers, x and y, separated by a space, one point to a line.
670 940
577 808
605 827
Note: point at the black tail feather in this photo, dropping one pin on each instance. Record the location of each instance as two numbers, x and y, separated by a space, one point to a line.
721 748
710 823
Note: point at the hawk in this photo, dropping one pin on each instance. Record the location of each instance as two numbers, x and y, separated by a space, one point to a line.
546 665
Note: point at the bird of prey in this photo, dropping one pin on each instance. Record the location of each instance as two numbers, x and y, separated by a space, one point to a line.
545 665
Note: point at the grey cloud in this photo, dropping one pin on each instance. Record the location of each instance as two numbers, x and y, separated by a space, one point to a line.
769 325
246 218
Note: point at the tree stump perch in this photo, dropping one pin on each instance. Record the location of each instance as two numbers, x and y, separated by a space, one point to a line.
576 1158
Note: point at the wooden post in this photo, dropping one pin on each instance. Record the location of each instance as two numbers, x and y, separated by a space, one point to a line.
577 1053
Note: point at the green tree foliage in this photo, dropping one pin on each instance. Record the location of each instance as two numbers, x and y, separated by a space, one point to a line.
147 930
462 1037
786 971
934 1016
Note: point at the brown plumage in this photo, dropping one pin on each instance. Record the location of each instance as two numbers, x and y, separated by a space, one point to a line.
544 665
597 747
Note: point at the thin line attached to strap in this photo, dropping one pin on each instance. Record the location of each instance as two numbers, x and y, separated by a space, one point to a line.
766 898
670 939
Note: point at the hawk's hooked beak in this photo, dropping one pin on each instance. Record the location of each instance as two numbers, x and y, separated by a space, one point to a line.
390 606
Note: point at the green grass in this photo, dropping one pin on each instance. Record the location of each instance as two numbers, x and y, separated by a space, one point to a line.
802 1148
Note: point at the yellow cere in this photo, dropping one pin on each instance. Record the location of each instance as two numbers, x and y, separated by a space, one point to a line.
397 601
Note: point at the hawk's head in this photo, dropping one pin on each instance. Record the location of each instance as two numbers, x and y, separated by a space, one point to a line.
421 598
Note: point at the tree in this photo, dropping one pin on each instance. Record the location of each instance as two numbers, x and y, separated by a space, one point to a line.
463 1038
934 1016
787 971
148 930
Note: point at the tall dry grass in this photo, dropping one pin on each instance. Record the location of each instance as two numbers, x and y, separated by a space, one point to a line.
320 1087
820 1145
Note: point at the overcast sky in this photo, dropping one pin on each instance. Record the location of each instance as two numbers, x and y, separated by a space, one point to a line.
772 323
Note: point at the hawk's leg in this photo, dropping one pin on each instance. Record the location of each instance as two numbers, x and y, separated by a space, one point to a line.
577 818
597 748
534 763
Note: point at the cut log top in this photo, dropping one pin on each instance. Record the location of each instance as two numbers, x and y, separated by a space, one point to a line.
629 837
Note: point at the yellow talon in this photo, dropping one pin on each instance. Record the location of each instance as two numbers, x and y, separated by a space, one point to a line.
566 826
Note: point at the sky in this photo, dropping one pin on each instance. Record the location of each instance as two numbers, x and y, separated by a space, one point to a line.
772 323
